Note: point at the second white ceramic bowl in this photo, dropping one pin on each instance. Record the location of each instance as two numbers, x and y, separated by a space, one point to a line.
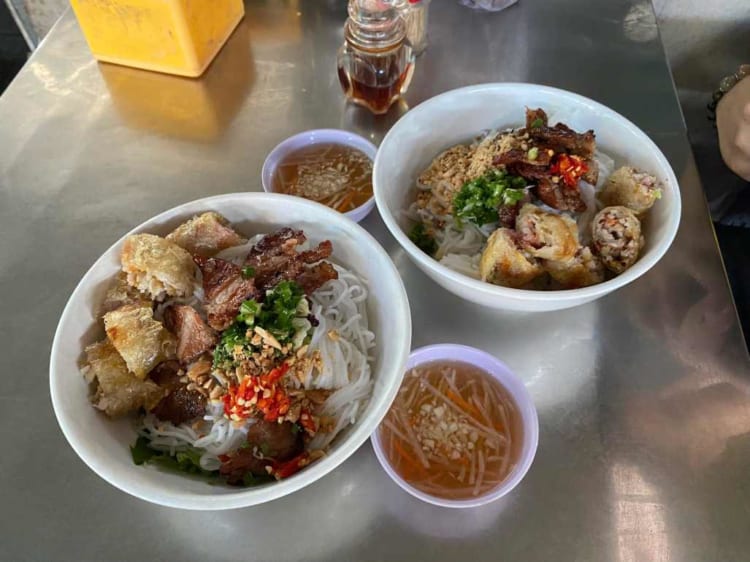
458 116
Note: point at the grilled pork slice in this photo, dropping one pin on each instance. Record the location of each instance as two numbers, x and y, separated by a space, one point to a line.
549 187
295 266
116 391
157 266
316 276
560 137
267 443
283 241
560 196
557 195
225 289
120 293
205 235
141 341
194 337
533 156
180 405
275 258
536 118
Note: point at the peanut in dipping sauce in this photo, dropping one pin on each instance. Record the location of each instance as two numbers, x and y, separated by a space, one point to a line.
336 175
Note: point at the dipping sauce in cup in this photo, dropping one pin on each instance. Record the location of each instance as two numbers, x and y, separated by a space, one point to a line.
329 166
452 431
462 430
336 175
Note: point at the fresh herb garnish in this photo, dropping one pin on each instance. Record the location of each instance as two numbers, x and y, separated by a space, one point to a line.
280 309
248 311
423 240
536 123
187 460
248 272
512 196
283 313
233 337
141 452
184 461
479 199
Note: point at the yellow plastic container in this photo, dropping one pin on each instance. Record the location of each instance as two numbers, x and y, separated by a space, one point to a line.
174 36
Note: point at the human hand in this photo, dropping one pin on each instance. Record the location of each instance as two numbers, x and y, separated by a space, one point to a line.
733 122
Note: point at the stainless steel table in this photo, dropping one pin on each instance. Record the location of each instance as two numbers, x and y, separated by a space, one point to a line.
643 397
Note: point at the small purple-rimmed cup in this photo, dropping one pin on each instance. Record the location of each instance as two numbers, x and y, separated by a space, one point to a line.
512 384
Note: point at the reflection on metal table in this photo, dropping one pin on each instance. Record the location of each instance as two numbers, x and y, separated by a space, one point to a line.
642 396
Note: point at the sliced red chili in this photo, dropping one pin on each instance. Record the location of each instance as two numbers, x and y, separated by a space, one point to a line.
292 466
570 168
260 394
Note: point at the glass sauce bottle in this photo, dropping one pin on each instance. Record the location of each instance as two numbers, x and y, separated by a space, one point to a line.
376 62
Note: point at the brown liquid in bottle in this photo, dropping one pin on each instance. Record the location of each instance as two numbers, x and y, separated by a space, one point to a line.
376 62
376 98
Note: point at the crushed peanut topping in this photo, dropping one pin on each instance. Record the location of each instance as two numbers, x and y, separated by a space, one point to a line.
440 430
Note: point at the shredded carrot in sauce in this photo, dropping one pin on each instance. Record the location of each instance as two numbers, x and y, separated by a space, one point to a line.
452 431
462 403
413 462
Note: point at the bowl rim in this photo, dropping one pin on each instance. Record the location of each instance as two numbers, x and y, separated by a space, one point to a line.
644 263
306 138
141 488
524 402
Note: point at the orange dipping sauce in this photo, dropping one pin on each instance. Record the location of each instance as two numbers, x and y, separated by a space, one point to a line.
336 175
453 431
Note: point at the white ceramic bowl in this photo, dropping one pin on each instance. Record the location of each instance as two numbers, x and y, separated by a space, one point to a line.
103 444
458 116
512 384
317 136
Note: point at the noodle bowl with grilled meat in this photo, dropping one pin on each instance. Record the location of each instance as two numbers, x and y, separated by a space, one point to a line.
517 208
240 360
